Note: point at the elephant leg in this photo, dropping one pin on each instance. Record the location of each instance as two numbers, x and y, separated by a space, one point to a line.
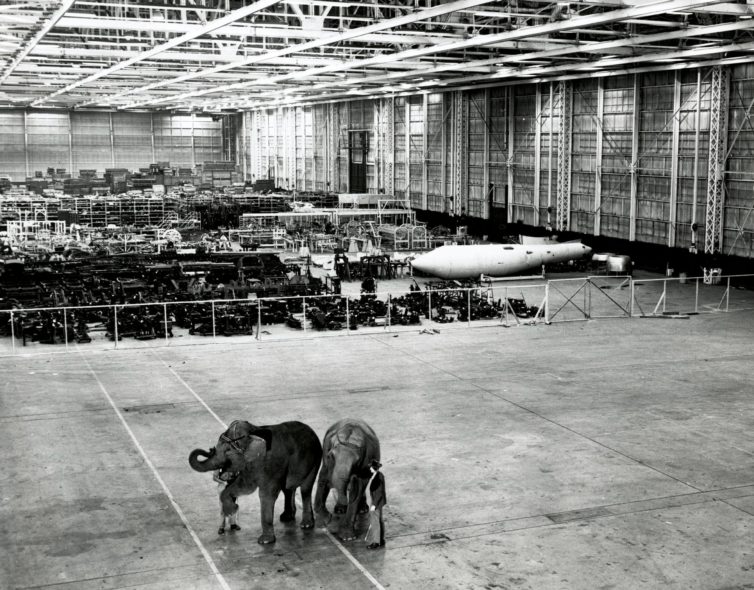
320 498
289 512
267 501
347 530
307 518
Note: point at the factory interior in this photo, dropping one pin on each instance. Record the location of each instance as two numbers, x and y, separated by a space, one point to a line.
419 294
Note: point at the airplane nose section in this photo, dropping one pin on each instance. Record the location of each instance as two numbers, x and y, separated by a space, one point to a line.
421 264
587 250
432 263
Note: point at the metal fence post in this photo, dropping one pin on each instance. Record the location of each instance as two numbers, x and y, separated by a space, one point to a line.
303 307
727 296
696 296
505 298
632 295
389 317
12 334
214 331
547 303
115 324
259 318
165 317
664 294
429 305
65 328
348 319
468 307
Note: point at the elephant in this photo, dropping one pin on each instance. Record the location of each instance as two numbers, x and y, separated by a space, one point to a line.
271 458
348 446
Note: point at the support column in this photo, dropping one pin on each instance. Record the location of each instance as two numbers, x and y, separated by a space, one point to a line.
460 156
564 157
26 143
486 210
407 140
425 148
718 141
112 142
549 156
675 147
70 145
444 155
695 189
333 154
598 157
509 162
151 135
244 146
193 139
634 160
538 118
390 146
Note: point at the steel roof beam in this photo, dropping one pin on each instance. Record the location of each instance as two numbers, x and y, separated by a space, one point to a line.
74 21
603 46
32 43
553 27
427 13
207 29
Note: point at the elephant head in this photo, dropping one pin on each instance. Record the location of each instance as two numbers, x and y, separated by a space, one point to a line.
344 465
237 450
349 446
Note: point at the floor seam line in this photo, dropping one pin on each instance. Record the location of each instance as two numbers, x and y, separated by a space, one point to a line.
208 558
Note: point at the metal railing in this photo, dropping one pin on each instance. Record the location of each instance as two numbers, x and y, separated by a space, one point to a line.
139 325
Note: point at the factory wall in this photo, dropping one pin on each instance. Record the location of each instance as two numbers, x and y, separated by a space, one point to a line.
623 157
85 140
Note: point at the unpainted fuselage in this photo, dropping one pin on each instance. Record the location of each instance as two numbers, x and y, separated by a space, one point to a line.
495 260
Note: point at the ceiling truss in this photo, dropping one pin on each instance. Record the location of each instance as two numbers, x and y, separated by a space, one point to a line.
220 55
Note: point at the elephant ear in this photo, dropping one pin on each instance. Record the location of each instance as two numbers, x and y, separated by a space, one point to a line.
264 433
256 450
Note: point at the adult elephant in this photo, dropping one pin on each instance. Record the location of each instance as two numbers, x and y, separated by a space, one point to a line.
269 458
348 448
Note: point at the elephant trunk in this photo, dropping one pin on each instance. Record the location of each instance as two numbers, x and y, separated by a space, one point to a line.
209 464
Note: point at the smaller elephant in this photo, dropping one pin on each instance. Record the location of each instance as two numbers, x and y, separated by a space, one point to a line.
272 459
349 446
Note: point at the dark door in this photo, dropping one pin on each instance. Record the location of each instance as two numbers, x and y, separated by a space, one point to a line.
357 161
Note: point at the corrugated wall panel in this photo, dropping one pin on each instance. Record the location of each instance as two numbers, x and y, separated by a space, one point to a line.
416 150
132 139
208 140
655 154
92 144
172 139
583 155
12 145
738 215
435 201
525 120
498 155
617 126
48 141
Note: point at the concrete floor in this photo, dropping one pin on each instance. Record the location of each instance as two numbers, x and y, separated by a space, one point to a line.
612 453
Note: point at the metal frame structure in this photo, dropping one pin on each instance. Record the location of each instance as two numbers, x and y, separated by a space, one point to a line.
718 141
215 55
563 207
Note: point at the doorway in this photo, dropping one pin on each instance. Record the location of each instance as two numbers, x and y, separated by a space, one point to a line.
358 146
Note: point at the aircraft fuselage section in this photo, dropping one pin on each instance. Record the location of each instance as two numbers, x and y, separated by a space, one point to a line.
495 260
